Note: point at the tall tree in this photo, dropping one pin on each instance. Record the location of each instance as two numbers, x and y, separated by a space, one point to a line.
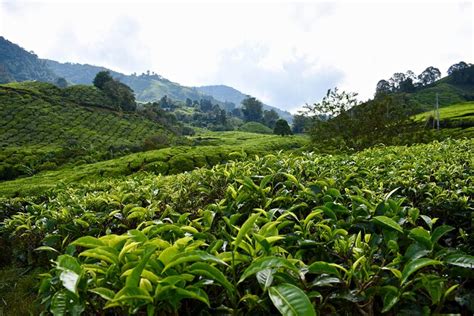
457 67
102 78
301 123
383 87
252 110
282 128
270 118
429 75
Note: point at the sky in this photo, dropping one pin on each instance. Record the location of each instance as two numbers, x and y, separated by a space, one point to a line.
285 53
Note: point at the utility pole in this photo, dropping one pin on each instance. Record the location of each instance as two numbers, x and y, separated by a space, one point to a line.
437 112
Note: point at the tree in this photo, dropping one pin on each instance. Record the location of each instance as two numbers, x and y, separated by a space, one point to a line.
120 94
383 87
457 67
407 85
396 79
252 110
61 83
429 75
282 128
333 104
301 123
102 78
270 118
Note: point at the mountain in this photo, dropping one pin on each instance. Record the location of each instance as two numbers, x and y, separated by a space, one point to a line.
17 64
147 87
229 94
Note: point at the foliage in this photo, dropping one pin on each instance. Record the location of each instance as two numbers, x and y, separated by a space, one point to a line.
385 120
43 127
301 123
270 118
255 127
121 95
252 110
282 128
17 64
388 229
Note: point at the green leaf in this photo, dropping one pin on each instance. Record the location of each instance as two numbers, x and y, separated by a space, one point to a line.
212 273
65 303
197 294
246 227
320 267
103 292
461 260
133 280
132 293
422 236
390 297
195 255
387 222
265 278
88 242
263 263
415 265
106 254
439 232
291 300
46 248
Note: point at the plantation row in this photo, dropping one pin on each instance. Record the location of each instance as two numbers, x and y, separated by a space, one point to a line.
384 230
40 131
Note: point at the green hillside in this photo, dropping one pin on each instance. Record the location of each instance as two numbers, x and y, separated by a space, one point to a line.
42 127
457 112
148 87
17 64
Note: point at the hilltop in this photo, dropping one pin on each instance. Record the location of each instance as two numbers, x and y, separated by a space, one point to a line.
16 64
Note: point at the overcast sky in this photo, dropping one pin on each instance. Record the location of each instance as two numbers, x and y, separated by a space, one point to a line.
285 53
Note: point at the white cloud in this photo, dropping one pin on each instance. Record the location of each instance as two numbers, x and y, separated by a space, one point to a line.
284 53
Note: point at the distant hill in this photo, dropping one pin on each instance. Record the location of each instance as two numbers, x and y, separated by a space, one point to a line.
147 87
17 64
226 93
43 127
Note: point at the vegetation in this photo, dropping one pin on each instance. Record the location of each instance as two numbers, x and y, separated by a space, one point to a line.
282 128
16 64
388 229
255 127
44 127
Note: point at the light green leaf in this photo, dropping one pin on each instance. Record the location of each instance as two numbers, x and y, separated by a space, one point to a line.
133 280
106 254
103 292
387 222
291 300
246 227
212 273
195 255
88 242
